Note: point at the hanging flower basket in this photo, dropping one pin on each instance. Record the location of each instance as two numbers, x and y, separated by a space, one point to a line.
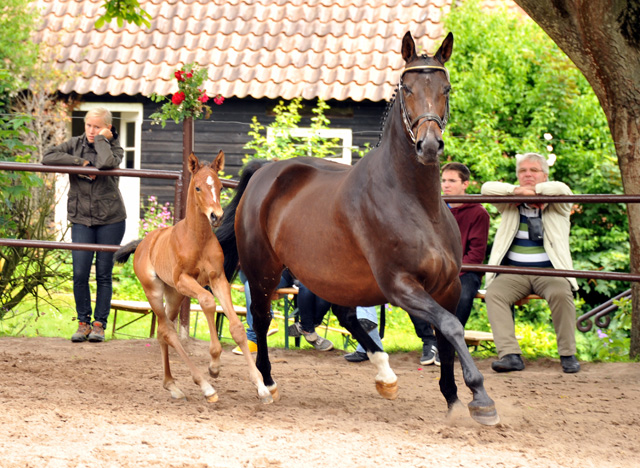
189 101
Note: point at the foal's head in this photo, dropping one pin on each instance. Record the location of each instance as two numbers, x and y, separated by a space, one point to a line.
205 186
424 97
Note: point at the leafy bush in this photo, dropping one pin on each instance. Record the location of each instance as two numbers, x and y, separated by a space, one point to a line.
512 86
284 145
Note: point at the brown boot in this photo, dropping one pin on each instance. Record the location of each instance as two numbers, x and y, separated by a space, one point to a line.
97 332
82 333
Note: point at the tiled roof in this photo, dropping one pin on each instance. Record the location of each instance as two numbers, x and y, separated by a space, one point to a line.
333 49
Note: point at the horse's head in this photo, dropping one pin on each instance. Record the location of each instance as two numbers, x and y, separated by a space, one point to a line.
424 97
205 187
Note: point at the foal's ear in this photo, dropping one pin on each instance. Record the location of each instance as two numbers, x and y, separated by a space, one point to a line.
445 50
218 164
194 164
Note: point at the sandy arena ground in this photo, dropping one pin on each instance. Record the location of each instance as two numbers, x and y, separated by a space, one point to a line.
103 405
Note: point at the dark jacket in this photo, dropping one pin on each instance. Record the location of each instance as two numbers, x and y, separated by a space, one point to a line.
97 202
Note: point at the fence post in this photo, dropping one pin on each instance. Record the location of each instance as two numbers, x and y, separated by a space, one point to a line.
187 149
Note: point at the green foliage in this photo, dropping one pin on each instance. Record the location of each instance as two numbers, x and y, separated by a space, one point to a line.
285 144
190 99
18 53
611 344
512 86
123 11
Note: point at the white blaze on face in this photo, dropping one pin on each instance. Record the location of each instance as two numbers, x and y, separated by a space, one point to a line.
213 188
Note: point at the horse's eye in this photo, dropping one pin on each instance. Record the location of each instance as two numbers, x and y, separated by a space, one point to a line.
197 189
447 89
407 89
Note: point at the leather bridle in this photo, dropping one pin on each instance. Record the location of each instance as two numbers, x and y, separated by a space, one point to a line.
415 123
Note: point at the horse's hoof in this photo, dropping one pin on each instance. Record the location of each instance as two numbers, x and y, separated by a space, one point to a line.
212 398
177 394
214 372
266 399
275 394
388 390
487 415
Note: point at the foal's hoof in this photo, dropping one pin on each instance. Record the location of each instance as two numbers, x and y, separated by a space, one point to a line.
388 390
212 398
266 399
214 371
486 415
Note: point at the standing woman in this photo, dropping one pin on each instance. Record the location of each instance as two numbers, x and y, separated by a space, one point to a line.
97 214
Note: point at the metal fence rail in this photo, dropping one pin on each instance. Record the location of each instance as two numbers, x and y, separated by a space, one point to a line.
230 183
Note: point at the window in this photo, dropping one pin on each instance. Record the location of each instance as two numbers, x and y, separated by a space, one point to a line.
342 134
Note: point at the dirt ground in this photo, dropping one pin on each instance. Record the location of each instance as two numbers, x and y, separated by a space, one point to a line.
79 405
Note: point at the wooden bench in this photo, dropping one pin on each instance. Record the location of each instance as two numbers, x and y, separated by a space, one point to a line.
144 308
291 314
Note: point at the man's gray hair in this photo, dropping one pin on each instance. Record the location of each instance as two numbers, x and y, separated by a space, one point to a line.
533 157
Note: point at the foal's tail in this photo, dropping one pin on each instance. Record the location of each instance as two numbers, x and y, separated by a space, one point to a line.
226 233
123 253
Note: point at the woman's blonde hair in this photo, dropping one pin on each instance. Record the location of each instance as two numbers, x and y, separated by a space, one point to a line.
100 112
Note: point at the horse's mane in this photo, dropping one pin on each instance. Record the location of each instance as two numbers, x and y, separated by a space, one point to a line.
226 233
385 114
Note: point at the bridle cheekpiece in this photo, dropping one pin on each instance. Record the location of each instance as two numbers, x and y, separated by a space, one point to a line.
410 125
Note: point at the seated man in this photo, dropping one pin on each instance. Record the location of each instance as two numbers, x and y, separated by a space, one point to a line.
531 235
368 318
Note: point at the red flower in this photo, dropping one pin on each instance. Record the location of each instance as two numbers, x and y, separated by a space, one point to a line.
203 97
189 75
218 99
178 98
178 74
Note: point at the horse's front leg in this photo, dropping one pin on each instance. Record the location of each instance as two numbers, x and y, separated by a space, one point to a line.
410 296
386 380
221 289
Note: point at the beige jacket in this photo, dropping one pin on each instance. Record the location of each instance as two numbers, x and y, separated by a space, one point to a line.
555 220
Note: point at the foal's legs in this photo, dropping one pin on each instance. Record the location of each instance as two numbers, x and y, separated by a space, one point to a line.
167 335
221 289
386 379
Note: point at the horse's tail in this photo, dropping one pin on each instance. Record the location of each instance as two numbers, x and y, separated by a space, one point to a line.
123 253
226 233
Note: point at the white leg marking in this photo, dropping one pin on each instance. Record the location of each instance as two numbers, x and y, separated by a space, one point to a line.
381 361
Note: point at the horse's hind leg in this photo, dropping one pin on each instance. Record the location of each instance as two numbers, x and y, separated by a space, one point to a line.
386 379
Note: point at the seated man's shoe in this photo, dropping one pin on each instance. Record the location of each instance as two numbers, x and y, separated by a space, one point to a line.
273 328
253 348
570 364
509 363
356 356
321 344
428 355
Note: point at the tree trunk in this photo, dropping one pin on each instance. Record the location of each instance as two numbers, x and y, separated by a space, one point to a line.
603 39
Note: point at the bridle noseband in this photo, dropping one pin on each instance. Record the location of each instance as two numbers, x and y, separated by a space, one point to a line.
408 123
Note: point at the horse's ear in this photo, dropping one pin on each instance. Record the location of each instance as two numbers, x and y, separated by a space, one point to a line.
408 47
444 52
194 164
218 164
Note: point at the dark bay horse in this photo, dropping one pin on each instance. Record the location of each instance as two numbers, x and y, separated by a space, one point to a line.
368 234
176 262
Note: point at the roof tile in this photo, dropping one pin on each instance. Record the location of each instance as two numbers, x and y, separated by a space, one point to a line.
333 49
